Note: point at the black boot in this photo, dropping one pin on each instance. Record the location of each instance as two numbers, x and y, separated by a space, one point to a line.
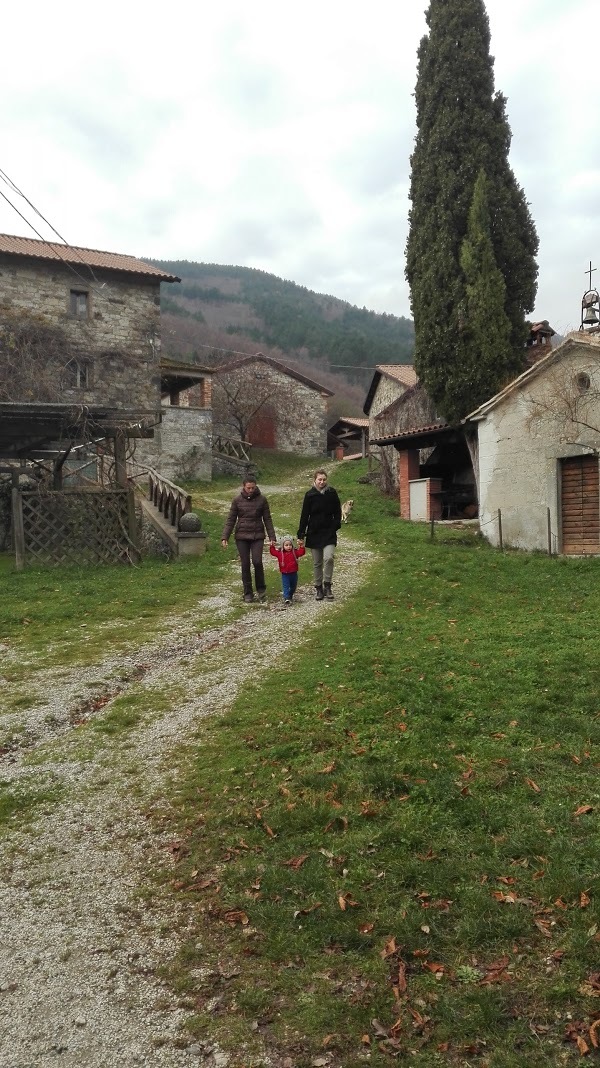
319 594
328 592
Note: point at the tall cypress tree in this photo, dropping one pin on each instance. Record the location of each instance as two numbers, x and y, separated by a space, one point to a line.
462 130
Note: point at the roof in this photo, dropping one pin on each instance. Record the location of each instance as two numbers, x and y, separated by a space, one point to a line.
233 365
403 373
543 327
414 435
578 337
353 420
80 257
29 429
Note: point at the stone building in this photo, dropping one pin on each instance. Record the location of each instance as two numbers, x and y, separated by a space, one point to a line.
389 383
538 448
106 308
107 305
271 405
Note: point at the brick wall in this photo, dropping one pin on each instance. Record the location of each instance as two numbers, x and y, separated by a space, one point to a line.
120 335
408 469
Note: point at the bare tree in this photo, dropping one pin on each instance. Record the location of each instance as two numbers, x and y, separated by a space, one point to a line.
243 394
570 397
37 359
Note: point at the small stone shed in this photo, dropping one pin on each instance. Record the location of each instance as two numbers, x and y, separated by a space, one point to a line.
290 410
538 449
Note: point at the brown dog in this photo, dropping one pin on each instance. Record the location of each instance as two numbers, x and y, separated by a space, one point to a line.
346 509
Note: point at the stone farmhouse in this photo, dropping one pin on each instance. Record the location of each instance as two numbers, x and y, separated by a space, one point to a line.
108 308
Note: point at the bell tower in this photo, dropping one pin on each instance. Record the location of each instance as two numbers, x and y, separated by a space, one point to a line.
590 306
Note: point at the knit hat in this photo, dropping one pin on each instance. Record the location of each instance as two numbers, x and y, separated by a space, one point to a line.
287 537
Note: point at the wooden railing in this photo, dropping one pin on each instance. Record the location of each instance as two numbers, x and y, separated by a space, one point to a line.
238 450
171 501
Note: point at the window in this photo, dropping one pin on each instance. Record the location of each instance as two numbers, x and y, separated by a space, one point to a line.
76 375
79 300
582 382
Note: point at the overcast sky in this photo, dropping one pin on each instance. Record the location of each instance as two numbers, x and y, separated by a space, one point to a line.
278 135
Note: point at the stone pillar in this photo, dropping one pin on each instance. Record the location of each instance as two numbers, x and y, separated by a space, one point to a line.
408 469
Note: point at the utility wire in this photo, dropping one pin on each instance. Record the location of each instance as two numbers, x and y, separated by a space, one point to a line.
52 245
236 352
12 185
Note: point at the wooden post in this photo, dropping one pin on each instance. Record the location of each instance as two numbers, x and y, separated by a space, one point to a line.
363 442
500 530
132 526
549 533
18 528
120 441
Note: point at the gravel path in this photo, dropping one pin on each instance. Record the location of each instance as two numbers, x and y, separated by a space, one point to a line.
78 952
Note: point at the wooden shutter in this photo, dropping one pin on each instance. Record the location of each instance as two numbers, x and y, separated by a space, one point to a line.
580 505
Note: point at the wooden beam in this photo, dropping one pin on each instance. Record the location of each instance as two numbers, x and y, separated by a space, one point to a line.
18 528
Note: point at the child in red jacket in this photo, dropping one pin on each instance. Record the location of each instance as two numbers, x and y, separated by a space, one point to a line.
287 558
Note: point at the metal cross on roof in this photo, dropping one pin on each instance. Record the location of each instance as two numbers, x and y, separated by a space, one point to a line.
590 271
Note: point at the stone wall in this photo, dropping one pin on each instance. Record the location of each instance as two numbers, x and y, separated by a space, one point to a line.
182 445
413 409
118 336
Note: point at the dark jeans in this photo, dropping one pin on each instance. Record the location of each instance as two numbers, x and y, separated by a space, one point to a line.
289 583
251 551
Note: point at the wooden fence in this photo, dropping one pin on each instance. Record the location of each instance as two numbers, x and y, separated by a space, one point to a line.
74 526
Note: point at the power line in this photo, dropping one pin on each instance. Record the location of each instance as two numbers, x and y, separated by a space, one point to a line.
52 244
20 193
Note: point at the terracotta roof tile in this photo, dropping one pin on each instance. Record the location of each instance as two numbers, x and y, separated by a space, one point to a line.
353 420
80 257
401 372
413 431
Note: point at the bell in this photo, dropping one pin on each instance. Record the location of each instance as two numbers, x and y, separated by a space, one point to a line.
591 317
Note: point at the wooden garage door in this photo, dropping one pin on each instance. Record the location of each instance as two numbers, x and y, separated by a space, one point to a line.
580 499
262 430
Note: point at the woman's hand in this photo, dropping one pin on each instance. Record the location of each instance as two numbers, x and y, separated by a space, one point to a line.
224 543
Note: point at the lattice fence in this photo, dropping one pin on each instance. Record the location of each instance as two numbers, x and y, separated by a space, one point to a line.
76 527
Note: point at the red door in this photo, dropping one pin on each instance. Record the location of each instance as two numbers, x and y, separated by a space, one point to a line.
261 431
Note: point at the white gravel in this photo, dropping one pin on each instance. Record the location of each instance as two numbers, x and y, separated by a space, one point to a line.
78 952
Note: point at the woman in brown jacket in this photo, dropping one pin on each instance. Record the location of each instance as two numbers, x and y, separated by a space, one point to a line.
251 516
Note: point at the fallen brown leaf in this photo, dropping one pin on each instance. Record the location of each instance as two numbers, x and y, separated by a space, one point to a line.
583 810
346 901
390 948
234 916
533 785
296 862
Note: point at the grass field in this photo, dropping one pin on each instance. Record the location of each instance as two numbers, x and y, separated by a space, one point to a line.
389 849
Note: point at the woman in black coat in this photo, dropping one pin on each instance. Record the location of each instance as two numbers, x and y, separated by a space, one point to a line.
320 521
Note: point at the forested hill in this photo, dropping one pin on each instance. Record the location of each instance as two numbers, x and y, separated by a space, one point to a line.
240 308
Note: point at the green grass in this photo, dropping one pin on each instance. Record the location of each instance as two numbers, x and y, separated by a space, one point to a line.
422 769
427 752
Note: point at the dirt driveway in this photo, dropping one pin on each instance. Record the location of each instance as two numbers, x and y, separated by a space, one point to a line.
79 952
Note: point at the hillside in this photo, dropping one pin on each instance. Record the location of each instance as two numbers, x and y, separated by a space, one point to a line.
219 309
